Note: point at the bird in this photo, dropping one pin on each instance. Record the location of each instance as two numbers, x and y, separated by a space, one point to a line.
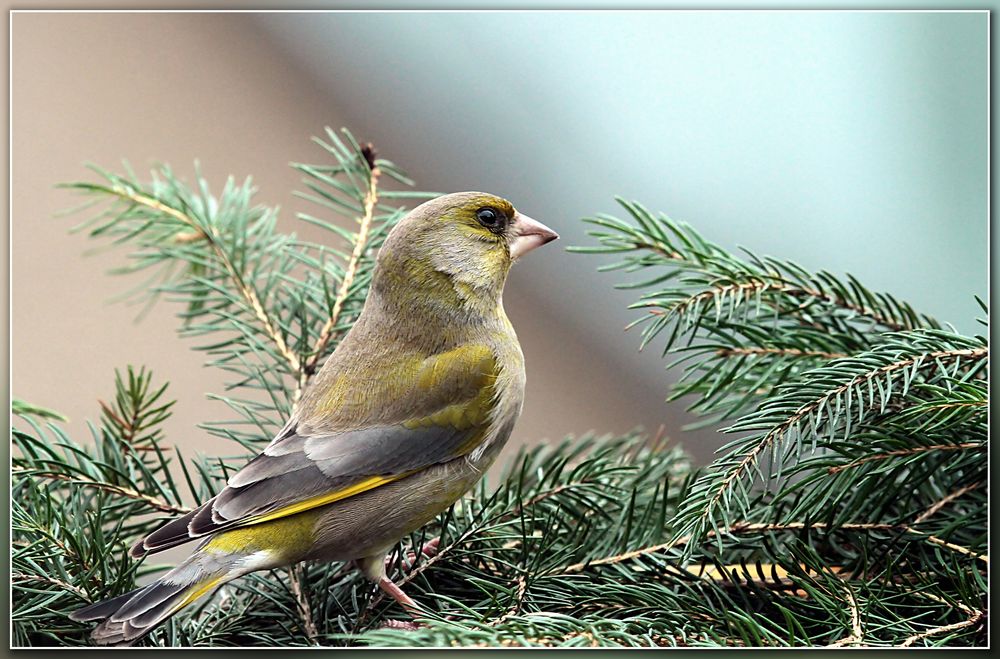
402 419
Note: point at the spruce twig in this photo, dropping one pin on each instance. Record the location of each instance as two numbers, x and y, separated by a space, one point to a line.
209 235
361 245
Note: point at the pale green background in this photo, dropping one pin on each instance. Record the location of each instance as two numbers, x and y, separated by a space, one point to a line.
850 141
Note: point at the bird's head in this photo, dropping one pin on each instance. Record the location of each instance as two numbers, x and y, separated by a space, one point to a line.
457 249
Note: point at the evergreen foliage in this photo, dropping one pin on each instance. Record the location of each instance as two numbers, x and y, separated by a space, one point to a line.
848 510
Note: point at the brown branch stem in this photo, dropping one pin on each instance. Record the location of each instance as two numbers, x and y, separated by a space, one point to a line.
152 502
857 634
248 292
350 272
308 622
127 426
515 607
48 533
780 285
945 501
792 352
970 621
20 576
754 528
906 451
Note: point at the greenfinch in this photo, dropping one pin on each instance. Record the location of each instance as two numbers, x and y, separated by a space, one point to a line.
404 417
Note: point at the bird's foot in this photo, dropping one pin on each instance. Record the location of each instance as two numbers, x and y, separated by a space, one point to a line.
407 625
396 593
430 549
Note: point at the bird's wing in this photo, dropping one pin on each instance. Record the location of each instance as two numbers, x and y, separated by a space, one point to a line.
445 413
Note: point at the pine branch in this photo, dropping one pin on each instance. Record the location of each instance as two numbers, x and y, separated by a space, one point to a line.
944 501
907 451
208 233
361 245
152 502
792 352
135 416
295 580
75 507
24 409
859 421
741 325
757 528
267 305
21 578
827 400
857 633
971 621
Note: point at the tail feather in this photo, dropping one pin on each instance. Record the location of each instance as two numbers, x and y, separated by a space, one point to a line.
129 617
103 609
152 598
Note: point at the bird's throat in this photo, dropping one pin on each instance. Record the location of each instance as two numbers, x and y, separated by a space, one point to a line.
436 298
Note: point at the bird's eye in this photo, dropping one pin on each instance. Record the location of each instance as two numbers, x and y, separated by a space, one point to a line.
489 218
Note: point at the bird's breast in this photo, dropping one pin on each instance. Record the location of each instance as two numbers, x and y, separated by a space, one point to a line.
508 397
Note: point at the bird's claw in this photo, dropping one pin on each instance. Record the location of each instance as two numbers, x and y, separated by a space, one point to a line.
407 625
430 549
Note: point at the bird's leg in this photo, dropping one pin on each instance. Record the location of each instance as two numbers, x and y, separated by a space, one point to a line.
373 567
396 593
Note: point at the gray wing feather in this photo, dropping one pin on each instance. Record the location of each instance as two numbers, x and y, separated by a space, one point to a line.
367 452
324 464
310 466
377 451
271 494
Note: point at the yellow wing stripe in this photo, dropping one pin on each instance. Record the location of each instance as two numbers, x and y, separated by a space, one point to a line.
284 535
199 589
329 497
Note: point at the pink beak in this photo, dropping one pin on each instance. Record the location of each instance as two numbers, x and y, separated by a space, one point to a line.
529 234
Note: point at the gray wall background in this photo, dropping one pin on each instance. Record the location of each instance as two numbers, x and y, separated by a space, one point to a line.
854 142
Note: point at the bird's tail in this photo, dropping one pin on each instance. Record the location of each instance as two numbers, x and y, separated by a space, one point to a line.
129 617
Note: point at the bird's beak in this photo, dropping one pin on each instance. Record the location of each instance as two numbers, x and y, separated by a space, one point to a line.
529 234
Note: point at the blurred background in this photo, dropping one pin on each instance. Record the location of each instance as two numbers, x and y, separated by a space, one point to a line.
848 141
